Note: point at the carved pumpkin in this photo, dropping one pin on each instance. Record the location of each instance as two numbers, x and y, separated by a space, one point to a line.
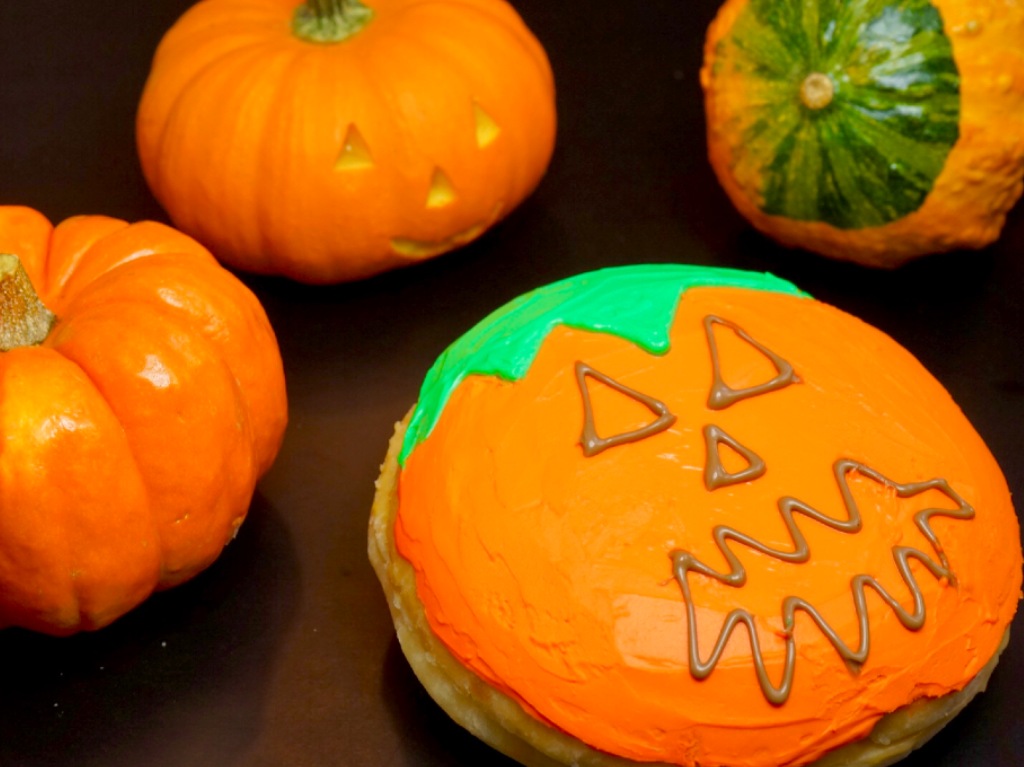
692 516
330 141
871 132
141 397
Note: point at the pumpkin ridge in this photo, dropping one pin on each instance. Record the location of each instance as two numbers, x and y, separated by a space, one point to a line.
69 288
177 563
72 589
407 43
502 20
264 215
458 66
44 273
461 56
257 56
218 58
62 260
493 19
227 292
218 49
38 615
527 42
274 74
209 22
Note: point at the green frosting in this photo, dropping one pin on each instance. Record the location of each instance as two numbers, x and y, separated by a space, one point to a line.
636 303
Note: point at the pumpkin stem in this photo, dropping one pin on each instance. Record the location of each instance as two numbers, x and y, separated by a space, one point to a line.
24 321
817 90
330 21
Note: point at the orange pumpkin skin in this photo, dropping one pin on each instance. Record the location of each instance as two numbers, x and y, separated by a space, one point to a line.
135 432
982 176
333 162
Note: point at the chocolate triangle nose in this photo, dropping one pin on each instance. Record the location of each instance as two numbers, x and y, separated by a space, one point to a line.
715 473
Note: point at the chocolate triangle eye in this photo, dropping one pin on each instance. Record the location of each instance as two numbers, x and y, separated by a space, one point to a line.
715 473
590 440
722 395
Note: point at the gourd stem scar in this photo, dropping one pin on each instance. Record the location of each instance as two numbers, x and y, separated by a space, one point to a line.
817 91
24 320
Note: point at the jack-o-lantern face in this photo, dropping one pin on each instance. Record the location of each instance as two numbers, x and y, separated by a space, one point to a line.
427 212
407 134
768 517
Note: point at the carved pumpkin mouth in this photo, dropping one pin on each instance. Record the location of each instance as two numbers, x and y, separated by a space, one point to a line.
417 250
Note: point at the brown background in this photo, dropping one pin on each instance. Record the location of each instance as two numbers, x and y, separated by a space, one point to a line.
283 652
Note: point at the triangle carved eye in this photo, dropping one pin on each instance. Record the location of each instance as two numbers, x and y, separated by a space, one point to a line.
590 440
487 129
722 395
355 154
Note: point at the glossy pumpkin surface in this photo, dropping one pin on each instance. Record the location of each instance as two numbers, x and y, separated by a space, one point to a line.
874 131
134 432
333 160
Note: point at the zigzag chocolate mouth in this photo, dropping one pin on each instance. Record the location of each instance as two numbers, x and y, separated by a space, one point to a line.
721 397
683 563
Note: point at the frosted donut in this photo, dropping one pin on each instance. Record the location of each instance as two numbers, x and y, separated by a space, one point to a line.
692 516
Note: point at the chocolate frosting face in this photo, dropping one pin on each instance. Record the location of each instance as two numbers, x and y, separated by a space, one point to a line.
684 562
589 536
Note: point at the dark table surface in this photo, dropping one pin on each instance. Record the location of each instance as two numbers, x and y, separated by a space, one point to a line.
283 652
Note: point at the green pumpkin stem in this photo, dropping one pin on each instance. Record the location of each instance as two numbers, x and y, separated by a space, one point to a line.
24 320
330 21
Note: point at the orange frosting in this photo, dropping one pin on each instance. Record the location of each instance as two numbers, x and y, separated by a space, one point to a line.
548 573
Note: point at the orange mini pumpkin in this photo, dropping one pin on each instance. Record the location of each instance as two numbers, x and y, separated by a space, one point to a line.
141 397
329 141
871 132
